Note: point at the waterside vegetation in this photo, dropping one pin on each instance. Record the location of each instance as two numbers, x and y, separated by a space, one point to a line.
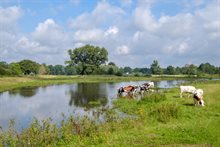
160 118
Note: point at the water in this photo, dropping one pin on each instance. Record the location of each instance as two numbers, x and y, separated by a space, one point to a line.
78 99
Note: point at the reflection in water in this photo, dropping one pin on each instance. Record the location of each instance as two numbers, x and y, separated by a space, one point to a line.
87 93
25 92
42 102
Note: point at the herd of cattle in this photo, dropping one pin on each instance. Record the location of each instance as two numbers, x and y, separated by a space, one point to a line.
149 87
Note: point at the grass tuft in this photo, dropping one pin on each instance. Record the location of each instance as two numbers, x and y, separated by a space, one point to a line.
165 112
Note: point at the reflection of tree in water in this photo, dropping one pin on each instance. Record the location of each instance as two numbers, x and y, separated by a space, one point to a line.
25 92
86 94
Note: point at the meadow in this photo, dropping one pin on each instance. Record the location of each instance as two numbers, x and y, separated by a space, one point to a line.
159 118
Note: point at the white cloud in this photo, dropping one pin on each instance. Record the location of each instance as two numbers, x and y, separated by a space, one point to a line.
144 20
134 32
103 13
123 50
113 30
49 33
10 15
8 29
26 46
88 35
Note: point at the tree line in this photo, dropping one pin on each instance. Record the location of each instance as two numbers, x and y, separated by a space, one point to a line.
90 59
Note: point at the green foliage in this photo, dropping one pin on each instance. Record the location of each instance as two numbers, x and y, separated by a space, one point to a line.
56 70
4 69
28 67
190 69
15 69
165 112
87 58
127 69
207 68
153 97
43 70
155 68
70 70
170 70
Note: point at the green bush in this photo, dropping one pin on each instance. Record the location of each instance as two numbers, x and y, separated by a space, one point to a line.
153 98
165 112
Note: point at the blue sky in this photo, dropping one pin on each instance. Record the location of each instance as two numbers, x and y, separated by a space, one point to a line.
135 32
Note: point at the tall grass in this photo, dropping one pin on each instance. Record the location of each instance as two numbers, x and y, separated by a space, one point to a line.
165 112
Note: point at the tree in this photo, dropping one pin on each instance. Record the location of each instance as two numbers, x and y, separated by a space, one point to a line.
207 68
28 66
15 69
170 70
189 69
155 68
4 68
87 58
112 63
127 69
43 69
70 70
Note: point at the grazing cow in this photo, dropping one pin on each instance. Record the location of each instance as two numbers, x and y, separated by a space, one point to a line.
146 87
198 97
187 89
129 89
149 85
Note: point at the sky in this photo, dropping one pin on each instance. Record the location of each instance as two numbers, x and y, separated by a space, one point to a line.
135 32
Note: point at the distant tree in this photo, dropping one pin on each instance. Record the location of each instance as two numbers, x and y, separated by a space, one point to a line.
59 70
155 68
127 69
178 70
110 71
207 68
189 69
145 70
87 58
170 70
70 70
15 69
4 68
119 72
43 69
28 66
112 63
136 70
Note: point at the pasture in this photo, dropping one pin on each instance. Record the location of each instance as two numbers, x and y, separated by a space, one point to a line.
160 118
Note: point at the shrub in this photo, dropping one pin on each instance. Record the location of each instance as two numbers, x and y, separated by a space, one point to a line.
153 98
165 112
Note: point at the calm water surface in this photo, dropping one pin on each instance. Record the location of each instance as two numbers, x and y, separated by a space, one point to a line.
51 101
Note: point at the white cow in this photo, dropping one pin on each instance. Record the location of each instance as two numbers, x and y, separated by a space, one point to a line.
198 97
187 89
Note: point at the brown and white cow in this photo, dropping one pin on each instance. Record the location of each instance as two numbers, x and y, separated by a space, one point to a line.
146 86
198 97
128 89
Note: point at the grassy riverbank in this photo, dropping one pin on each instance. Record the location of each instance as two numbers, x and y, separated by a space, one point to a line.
8 83
158 119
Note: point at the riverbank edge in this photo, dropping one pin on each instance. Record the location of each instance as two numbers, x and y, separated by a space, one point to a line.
9 83
164 131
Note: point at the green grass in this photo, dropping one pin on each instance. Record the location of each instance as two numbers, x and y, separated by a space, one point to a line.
157 119
8 83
